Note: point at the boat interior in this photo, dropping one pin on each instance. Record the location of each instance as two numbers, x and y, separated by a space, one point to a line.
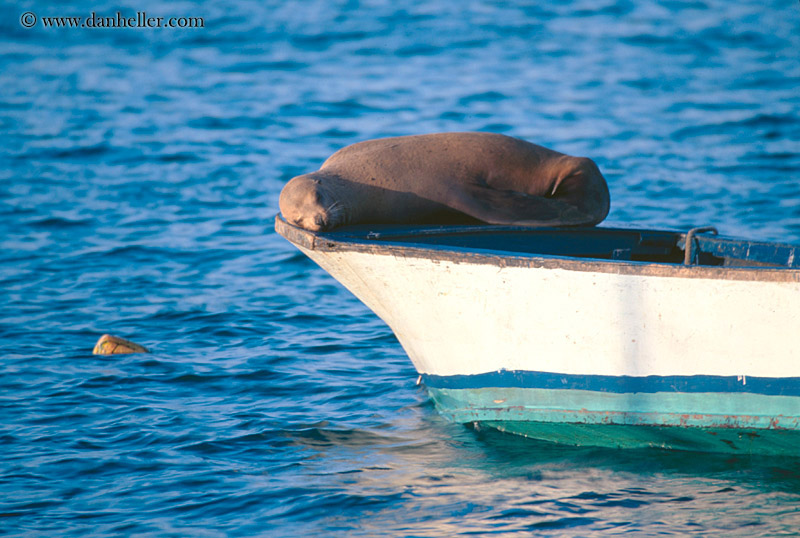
705 248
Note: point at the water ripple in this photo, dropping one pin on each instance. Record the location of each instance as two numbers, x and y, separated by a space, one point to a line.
140 181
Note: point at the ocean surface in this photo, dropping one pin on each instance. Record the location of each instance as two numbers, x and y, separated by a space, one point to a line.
139 177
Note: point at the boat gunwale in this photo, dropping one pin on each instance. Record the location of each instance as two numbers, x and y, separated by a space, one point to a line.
342 241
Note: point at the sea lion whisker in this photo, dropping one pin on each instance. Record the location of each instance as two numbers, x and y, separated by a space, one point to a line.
335 210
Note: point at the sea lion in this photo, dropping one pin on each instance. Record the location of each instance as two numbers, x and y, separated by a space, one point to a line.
445 178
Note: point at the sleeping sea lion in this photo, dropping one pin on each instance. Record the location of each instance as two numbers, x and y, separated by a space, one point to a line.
447 178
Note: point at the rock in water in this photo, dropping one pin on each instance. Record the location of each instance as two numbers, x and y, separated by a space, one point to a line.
114 345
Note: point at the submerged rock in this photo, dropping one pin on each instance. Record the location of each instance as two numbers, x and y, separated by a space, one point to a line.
114 345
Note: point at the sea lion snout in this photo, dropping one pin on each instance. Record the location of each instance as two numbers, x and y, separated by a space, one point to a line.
303 202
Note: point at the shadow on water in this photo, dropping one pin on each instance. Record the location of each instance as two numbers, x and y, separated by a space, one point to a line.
435 478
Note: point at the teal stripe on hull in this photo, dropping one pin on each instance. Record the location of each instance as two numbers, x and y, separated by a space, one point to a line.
728 440
718 422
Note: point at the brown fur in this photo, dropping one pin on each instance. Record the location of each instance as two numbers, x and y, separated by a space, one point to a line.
447 177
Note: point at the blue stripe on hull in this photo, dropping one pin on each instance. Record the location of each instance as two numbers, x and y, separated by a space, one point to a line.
772 386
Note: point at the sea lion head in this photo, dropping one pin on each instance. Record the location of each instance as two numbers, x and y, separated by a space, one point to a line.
308 201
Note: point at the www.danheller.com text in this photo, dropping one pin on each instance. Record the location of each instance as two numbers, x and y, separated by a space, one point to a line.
140 20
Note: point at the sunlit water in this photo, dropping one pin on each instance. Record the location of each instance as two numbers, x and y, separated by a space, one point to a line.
140 176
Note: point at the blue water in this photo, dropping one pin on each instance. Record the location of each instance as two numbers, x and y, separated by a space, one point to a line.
139 176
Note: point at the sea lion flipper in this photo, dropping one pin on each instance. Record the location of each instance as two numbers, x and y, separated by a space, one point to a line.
517 208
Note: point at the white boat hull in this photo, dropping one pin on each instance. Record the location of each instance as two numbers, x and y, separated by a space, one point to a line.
462 318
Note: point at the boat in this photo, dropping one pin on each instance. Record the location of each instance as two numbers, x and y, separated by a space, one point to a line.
611 337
